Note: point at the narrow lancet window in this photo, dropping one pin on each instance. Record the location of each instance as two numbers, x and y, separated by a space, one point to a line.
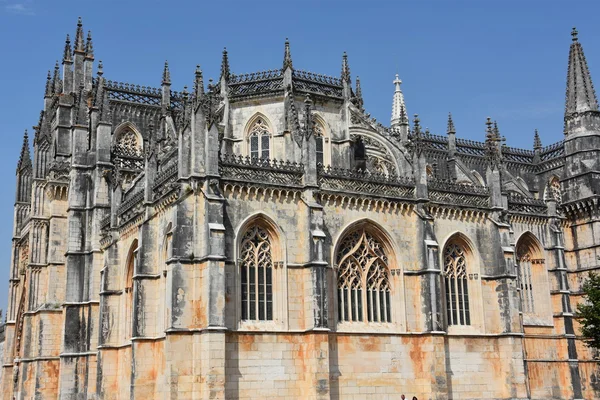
319 142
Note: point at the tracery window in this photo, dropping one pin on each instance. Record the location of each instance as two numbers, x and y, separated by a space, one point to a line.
256 270
455 285
259 138
128 144
363 279
320 145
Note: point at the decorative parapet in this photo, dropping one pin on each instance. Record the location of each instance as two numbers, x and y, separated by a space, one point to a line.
470 147
131 206
555 150
365 182
259 170
263 82
133 93
318 78
450 192
524 205
255 76
105 222
309 82
165 180
514 154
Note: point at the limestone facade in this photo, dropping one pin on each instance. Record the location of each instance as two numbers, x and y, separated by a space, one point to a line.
264 237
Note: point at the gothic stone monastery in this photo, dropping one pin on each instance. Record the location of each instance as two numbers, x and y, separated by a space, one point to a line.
264 237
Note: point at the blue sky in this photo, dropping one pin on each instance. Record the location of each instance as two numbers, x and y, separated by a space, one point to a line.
503 59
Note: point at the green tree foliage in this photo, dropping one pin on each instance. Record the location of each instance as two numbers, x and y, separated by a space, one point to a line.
589 311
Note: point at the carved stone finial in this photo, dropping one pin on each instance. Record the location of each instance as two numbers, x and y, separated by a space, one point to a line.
198 81
574 34
225 72
416 125
345 68
25 157
166 76
68 52
451 128
89 47
287 56
79 44
48 91
358 95
56 81
100 68
537 142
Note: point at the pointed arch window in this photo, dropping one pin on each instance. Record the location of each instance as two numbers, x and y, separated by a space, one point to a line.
456 285
320 143
256 270
524 260
259 138
128 144
128 288
532 276
363 279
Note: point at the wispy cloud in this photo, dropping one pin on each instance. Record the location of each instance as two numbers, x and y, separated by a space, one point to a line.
22 8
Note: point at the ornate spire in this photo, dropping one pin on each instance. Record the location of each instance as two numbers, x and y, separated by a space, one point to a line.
166 76
345 68
100 68
399 114
68 53
198 82
79 46
451 128
225 72
287 56
580 95
537 142
359 98
89 47
25 158
48 91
